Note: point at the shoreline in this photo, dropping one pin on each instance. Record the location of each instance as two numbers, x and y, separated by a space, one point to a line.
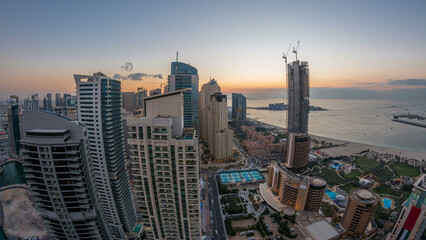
350 148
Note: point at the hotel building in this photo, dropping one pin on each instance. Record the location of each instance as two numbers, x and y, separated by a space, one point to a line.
293 193
359 211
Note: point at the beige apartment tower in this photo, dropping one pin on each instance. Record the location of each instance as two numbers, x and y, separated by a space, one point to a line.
297 150
359 211
214 120
207 90
165 168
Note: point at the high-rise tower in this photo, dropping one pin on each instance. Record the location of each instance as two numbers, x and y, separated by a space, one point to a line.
298 97
184 76
99 108
219 136
207 90
141 93
359 211
58 168
214 120
239 109
14 120
165 166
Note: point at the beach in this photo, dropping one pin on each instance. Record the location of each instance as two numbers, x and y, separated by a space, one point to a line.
347 148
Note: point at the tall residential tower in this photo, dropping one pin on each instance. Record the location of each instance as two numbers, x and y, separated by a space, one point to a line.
214 120
58 168
99 108
165 165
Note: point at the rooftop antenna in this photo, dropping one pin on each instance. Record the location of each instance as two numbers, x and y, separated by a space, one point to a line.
177 56
295 49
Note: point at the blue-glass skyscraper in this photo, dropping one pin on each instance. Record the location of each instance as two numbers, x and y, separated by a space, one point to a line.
239 109
183 76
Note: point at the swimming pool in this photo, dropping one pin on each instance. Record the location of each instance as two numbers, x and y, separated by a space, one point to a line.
331 194
387 203
241 176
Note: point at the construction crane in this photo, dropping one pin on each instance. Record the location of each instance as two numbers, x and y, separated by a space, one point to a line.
295 49
286 75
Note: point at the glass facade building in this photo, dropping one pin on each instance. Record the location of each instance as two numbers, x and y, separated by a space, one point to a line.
239 109
186 76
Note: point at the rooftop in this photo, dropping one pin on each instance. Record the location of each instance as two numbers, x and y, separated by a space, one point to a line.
364 196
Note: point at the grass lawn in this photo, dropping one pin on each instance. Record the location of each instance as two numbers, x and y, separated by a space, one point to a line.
348 187
385 189
353 174
330 176
384 174
402 169
366 164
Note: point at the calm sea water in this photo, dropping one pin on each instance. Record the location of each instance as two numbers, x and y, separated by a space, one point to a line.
13 173
363 121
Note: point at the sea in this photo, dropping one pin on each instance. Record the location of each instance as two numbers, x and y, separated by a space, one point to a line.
355 120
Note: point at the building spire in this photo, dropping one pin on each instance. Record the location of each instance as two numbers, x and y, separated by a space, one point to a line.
177 56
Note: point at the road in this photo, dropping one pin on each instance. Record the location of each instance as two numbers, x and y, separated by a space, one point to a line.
218 222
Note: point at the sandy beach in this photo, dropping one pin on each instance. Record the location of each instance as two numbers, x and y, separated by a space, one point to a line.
347 148
350 148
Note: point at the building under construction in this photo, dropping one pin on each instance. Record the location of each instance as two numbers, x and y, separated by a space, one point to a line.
298 97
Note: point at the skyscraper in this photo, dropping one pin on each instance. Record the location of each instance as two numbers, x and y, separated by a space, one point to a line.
239 109
214 120
32 104
165 166
359 211
140 95
99 108
297 150
220 138
59 171
298 97
58 100
49 102
129 101
186 76
411 222
207 90
36 103
13 119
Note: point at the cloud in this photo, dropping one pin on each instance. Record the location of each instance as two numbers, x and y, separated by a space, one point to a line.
408 82
118 76
128 66
160 76
137 76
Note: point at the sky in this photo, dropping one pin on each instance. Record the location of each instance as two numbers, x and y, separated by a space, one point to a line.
373 45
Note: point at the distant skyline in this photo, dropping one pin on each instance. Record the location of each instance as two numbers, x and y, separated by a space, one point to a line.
376 45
